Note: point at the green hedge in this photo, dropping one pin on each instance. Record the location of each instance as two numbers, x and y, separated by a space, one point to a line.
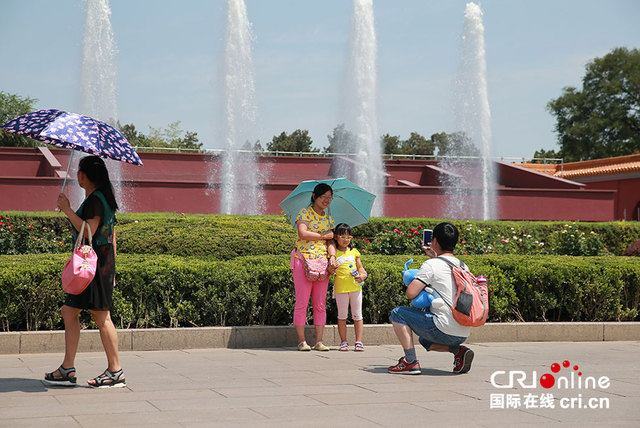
219 236
390 236
29 233
171 291
226 237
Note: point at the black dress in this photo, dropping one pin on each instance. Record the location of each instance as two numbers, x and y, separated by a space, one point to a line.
99 294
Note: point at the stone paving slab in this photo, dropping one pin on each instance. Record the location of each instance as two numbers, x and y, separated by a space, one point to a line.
280 387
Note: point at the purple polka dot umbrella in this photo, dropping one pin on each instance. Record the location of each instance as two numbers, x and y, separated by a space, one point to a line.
74 131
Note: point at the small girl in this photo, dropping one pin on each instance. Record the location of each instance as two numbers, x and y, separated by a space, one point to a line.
348 286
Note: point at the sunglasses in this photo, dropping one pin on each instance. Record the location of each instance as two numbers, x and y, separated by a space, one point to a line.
346 237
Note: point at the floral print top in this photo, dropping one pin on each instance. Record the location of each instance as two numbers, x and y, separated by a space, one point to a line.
319 224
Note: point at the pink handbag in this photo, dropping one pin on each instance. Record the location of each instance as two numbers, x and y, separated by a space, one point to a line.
80 269
314 269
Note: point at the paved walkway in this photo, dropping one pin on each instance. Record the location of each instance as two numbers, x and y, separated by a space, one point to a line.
282 387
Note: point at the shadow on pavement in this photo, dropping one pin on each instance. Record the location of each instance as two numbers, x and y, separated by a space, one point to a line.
20 384
424 372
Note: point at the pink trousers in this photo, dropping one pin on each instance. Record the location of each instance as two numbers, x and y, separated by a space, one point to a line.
317 290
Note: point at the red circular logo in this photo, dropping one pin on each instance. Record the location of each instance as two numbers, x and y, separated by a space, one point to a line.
547 380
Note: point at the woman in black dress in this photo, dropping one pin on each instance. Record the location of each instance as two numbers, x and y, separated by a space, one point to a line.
98 210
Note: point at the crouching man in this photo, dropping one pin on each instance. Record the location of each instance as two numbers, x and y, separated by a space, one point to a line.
436 327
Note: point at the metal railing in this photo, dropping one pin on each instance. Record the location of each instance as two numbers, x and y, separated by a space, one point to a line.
512 159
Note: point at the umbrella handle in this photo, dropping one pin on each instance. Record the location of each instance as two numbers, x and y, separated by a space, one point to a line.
64 183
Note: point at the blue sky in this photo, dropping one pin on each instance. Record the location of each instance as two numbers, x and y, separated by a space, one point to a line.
169 56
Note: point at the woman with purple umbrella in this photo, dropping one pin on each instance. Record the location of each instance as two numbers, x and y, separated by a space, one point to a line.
98 210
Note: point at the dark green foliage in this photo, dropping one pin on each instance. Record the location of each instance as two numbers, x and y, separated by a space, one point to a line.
171 137
30 291
218 236
603 118
340 141
225 237
211 270
403 235
12 106
27 233
171 291
298 141
545 154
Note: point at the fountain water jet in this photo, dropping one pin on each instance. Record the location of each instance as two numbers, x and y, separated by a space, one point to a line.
98 82
360 107
474 117
240 189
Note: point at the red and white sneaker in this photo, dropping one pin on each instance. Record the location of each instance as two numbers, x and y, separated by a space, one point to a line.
405 368
462 360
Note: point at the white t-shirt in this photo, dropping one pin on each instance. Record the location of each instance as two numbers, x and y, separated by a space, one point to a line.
436 274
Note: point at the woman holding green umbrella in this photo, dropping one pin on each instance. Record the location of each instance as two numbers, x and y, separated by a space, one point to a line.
315 231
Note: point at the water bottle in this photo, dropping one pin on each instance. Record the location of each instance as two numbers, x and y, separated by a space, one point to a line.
354 274
354 271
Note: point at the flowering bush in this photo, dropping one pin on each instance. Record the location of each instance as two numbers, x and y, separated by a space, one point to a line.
224 237
26 236
572 241
395 241
496 237
477 239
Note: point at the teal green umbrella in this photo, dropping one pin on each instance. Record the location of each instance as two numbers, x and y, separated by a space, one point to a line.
351 204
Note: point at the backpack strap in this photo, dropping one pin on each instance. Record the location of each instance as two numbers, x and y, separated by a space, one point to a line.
453 279
441 296
462 264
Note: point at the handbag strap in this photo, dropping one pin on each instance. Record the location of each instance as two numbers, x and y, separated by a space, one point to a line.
80 238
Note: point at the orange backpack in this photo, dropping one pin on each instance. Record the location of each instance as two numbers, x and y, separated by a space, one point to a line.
471 306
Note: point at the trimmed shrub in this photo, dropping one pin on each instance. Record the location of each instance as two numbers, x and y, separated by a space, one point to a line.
27 233
226 237
31 292
403 236
171 291
219 236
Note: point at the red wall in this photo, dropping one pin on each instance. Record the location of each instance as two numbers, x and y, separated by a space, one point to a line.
190 183
628 196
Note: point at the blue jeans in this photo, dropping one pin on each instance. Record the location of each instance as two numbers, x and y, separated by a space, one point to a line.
421 322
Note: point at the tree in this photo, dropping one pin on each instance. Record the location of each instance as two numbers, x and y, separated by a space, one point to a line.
171 137
298 141
391 143
546 154
12 106
456 144
416 144
602 119
340 141
255 147
135 138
